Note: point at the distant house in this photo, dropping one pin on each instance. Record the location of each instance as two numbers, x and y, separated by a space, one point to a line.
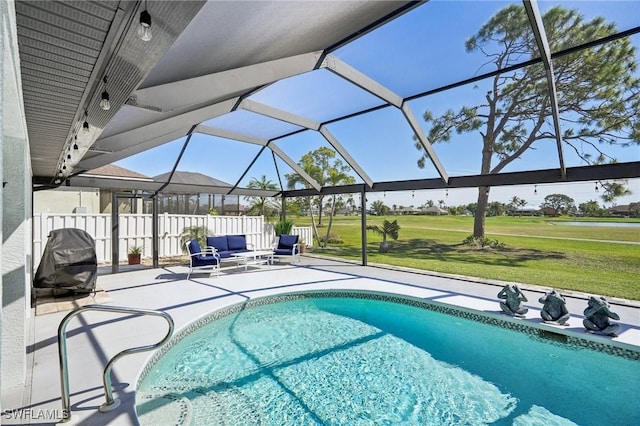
625 210
434 210
70 199
527 211
549 211
402 210
198 203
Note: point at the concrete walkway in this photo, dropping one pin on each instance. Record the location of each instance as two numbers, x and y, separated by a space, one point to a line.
95 337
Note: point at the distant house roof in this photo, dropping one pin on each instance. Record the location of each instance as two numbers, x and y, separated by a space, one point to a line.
111 170
435 210
406 210
622 208
190 178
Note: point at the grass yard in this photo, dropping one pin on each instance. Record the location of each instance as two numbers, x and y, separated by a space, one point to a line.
591 259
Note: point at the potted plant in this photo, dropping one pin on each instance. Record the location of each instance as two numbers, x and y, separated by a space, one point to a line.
134 255
283 227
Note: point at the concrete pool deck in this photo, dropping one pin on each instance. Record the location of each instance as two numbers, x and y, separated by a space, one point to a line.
94 337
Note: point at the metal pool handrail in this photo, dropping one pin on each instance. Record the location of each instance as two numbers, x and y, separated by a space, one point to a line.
110 403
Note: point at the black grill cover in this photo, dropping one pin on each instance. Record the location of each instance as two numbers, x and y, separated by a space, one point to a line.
69 262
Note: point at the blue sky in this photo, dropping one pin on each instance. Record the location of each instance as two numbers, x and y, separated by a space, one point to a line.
421 50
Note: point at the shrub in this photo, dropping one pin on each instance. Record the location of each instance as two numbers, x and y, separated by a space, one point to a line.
483 242
334 239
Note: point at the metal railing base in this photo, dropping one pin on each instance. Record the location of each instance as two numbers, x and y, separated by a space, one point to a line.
105 408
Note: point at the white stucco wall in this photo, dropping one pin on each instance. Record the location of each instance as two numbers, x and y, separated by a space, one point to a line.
3 24
15 209
66 200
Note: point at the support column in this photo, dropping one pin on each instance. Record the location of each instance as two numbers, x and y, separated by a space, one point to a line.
363 223
154 231
115 261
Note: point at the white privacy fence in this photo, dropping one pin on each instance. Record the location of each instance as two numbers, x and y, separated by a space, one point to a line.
136 230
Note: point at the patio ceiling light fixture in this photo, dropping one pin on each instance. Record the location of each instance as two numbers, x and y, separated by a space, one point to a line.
144 30
85 125
104 103
75 143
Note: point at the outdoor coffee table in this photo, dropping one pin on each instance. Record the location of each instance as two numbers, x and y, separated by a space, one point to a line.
255 257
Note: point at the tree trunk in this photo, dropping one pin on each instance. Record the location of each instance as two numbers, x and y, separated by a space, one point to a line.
320 201
481 212
333 212
384 245
313 223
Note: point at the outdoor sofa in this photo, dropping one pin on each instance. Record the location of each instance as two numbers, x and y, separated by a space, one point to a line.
228 245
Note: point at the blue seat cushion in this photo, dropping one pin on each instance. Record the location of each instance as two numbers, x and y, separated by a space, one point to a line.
194 247
204 261
225 254
279 252
237 242
220 243
286 242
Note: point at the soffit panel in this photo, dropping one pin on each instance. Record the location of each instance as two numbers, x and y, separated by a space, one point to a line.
65 50
59 43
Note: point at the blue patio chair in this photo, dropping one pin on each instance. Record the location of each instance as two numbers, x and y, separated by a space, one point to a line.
202 259
288 245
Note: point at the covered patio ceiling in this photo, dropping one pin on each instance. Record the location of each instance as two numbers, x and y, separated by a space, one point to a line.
206 61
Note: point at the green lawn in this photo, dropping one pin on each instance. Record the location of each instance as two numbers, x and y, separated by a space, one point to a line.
589 259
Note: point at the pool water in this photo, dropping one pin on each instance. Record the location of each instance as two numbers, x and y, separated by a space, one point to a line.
349 361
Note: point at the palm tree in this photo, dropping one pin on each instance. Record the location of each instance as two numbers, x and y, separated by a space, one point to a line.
194 233
379 208
388 228
262 205
351 204
516 203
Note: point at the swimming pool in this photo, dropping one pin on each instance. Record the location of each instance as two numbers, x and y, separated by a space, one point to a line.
367 358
